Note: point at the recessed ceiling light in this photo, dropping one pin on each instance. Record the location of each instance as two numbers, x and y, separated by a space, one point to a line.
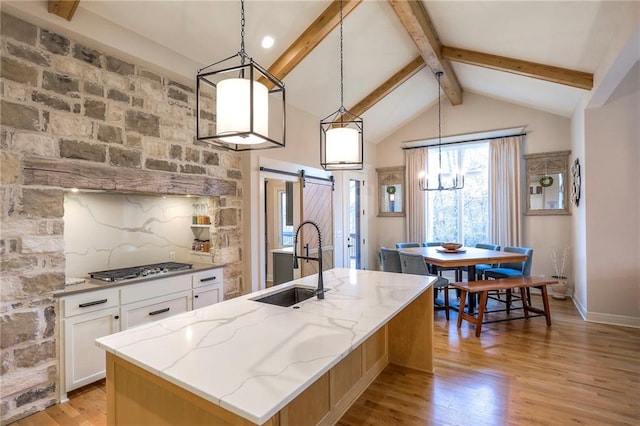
267 42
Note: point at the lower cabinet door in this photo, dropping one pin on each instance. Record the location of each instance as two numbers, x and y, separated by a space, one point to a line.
155 309
205 296
84 361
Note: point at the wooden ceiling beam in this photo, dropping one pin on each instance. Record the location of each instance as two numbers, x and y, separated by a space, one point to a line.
310 38
415 19
63 8
404 74
579 79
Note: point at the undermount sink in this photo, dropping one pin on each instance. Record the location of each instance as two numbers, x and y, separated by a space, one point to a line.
288 297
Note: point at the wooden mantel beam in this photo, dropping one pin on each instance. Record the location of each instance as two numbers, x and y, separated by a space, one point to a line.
415 19
63 8
310 38
579 79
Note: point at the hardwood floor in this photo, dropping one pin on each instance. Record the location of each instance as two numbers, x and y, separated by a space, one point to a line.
516 373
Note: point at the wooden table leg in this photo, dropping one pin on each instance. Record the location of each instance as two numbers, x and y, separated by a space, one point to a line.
525 302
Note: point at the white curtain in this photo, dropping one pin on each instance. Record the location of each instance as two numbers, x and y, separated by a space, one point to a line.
416 161
505 193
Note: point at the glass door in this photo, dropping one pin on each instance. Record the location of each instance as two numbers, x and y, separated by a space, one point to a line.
353 225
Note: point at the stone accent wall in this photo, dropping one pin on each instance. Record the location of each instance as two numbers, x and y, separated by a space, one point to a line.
68 101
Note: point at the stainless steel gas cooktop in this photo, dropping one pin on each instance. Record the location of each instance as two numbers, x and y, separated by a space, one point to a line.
121 274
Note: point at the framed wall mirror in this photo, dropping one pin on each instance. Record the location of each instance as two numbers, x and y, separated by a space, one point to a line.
547 185
391 191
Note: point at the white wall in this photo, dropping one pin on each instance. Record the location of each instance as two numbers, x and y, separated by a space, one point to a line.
545 132
612 203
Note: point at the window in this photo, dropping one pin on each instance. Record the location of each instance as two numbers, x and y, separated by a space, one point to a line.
285 231
460 215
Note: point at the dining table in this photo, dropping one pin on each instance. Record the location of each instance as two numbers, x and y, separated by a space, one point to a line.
440 257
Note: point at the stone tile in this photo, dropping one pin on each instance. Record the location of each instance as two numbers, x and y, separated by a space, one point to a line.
88 55
118 66
210 158
192 155
19 116
92 88
163 165
95 109
143 123
35 354
17 328
59 83
82 151
39 144
51 101
138 102
18 29
181 86
234 174
28 54
110 134
43 202
18 71
178 95
150 75
228 217
42 283
121 157
62 124
9 168
54 43
35 394
175 152
117 95
192 169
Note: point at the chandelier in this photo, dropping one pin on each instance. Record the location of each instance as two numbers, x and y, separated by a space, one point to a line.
341 133
239 104
441 181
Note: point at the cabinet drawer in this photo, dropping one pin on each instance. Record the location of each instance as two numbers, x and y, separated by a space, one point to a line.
155 309
208 277
154 288
89 302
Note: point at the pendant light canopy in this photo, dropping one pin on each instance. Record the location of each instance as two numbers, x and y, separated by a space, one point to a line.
240 105
440 181
341 133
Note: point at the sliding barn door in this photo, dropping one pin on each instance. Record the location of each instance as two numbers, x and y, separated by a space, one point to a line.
317 205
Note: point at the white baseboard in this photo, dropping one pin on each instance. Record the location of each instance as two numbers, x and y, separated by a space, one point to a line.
613 319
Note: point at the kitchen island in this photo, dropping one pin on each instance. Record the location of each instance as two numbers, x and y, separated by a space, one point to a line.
246 362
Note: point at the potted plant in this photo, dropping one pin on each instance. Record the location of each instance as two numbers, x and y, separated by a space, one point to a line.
559 262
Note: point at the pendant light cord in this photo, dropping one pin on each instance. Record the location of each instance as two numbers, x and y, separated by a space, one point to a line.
341 66
439 75
243 54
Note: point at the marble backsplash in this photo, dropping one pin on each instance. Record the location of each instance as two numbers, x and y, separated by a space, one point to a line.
107 231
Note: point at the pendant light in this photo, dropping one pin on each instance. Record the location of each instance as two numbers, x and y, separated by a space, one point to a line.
239 104
442 181
341 133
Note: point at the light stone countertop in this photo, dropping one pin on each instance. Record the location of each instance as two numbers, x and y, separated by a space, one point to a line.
90 284
252 358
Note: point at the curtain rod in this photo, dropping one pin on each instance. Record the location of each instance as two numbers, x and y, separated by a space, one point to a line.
467 141
300 173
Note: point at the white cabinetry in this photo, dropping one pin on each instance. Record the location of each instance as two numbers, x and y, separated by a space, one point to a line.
93 314
207 287
86 317
155 300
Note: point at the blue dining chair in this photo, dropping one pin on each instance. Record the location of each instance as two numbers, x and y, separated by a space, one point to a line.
407 245
414 264
390 260
431 244
512 270
484 266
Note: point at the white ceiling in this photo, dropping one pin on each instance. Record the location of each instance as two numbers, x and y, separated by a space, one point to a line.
179 37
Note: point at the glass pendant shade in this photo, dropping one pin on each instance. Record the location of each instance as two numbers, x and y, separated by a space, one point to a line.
233 111
239 104
342 145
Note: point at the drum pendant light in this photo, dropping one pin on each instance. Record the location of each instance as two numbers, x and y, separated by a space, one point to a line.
341 133
239 104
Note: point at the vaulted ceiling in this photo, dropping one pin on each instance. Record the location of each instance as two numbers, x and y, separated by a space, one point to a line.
538 54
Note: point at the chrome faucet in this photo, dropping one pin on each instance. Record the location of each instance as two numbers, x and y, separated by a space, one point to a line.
320 290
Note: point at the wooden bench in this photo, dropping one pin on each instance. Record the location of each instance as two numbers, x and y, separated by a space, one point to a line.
485 286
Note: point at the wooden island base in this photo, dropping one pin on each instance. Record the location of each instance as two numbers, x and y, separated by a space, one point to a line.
135 396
